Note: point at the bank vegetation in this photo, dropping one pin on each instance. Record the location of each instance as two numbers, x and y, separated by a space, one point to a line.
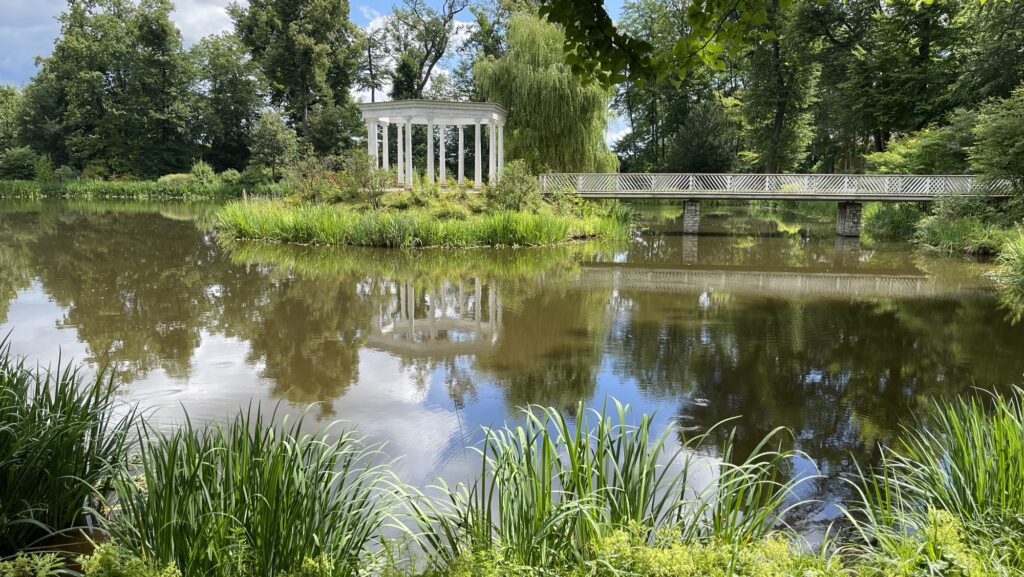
600 493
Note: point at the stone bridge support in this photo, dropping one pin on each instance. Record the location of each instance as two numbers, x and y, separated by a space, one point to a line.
691 217
848 219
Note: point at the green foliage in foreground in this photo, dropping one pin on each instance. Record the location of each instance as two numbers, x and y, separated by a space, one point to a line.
1011 261
948 501
550 492
338 225
251 498
59 436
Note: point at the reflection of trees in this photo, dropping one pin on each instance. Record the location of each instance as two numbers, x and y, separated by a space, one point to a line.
842 375
134 287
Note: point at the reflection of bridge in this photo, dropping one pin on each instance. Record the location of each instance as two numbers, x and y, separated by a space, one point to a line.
847 189
770 283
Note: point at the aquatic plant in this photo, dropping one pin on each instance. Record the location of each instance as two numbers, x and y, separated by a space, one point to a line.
891 220
324 224
60 438
1010 261
970 235
550 491
952 489
251 498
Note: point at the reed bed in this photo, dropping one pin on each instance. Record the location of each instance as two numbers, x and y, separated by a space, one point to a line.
335 225
951 496
61 438
551 492
252 498
130 190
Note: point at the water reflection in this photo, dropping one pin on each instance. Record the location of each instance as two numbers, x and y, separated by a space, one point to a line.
838 341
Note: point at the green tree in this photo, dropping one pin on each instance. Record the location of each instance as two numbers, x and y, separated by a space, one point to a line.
115 94
423 35
273 144
230 95
778 87
934 150
309 51
10 104
999 149
556 121
403 79
18 163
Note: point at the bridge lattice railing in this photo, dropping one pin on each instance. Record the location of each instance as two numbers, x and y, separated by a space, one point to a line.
769 184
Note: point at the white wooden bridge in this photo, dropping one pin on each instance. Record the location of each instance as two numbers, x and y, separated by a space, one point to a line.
849 190
837 187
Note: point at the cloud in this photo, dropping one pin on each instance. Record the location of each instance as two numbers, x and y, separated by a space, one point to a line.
199 18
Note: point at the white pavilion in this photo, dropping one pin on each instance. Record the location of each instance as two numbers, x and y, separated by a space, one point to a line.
379 116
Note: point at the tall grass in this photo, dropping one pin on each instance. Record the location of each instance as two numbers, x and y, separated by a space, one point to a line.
60 440
324 224
131 190
955 487
892 220
549 492
251 498
1010 271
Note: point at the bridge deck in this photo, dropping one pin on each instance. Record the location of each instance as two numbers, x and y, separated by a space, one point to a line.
832 187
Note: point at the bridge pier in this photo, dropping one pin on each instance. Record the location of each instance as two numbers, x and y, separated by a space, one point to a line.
848 219
691 217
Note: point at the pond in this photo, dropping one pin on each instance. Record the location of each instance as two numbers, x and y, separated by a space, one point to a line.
840 341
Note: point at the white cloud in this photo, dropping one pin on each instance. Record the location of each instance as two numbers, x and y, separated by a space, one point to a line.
199 18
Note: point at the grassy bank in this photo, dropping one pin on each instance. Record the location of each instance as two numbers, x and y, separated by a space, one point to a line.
599 494
345 225
130 190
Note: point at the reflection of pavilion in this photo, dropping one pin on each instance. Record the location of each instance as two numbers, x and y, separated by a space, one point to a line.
447 320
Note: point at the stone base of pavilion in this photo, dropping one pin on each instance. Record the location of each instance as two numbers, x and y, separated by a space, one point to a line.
437 116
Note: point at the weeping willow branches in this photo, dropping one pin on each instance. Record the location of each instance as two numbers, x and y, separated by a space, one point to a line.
556 121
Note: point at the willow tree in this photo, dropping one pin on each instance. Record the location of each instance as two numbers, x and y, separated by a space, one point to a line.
555 121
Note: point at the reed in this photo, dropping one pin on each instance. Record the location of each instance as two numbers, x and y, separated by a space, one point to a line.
251 498
333 225
951 490
1010 271
550 492
60 439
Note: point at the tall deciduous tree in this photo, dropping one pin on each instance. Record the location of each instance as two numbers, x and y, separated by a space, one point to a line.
309 50
423 35
10 105
230 95
273 144
557 121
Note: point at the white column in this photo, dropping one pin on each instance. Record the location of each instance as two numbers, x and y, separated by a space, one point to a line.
492 152
462 170
430 151
501 149
478 177
371 141
387 155
408 153
400 146
444 168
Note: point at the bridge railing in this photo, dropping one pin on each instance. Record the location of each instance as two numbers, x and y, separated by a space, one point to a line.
873 185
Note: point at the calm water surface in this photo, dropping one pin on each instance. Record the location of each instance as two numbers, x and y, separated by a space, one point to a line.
837 340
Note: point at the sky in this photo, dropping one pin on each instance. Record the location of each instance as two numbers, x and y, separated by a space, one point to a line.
28 29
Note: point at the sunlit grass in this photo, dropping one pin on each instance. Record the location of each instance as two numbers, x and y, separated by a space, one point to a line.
334 225
60 438
251 498
951 493
550 491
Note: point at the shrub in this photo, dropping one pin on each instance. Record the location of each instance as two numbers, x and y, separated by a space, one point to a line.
449 211
891 221
112 561
59 437
254 176
177 180
64 174
369 181
18 164
314 180
999 148
43 169
230 177
250 498
38 565
203 174
517 189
